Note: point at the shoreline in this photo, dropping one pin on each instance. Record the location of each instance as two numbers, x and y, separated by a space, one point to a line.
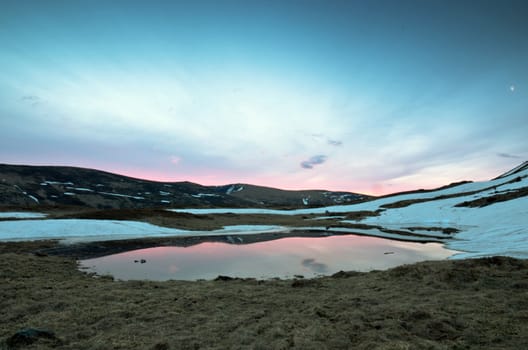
93 249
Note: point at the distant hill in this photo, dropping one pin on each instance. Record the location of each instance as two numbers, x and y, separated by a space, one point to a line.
33 186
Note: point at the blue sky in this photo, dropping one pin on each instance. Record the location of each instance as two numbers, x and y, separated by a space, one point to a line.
367 96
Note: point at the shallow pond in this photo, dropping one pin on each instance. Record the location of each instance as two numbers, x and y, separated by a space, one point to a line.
283 258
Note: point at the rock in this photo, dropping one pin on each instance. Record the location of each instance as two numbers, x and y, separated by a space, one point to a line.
28 336
343 274
161 346
305 283
224 278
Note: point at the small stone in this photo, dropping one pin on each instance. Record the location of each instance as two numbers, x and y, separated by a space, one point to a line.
28 336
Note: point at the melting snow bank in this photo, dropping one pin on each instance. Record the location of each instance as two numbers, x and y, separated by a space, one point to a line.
85 230
21 215
497 229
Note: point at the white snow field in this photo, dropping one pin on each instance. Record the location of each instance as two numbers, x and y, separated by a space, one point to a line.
77 230
21 215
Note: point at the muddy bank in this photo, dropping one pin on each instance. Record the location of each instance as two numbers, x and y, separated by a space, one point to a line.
469 304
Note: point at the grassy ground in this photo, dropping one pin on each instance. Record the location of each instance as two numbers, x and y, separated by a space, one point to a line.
472 304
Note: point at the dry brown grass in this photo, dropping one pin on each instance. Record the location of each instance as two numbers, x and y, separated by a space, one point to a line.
471 304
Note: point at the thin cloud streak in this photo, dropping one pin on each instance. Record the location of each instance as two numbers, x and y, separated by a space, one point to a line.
335 143
313 161
507 155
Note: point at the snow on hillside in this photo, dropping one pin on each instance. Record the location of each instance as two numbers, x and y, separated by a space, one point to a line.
497 229
500 228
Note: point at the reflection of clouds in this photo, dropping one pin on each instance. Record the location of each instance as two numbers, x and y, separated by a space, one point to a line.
314 266
173 268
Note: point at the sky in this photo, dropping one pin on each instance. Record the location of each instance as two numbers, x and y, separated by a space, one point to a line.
365 96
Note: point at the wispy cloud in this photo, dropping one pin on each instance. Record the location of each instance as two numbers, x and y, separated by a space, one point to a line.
315 160
507 155
335 142
31 99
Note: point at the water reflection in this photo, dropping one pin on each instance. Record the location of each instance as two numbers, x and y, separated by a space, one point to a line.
284 258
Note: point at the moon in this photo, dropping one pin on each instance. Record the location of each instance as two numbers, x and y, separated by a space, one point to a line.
512 88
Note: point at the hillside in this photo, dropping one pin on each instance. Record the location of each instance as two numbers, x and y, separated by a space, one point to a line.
36 186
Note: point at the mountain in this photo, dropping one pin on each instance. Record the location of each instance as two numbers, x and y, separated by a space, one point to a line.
32 186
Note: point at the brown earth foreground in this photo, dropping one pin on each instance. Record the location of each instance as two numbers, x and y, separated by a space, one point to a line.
471 304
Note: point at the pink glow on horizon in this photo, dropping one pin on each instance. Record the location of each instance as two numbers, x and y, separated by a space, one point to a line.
284 183
292 181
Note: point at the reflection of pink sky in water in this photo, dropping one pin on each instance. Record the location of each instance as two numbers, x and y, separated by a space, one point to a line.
279 258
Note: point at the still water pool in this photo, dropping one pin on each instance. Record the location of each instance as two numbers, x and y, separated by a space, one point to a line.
283 258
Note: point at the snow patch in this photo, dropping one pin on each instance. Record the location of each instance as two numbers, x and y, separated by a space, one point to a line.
81 189
33 198
200 195
69 183
234 188
120 195
21 215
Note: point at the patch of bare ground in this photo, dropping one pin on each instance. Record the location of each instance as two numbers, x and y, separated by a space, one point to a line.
472 304
445 230
360 215
496 198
